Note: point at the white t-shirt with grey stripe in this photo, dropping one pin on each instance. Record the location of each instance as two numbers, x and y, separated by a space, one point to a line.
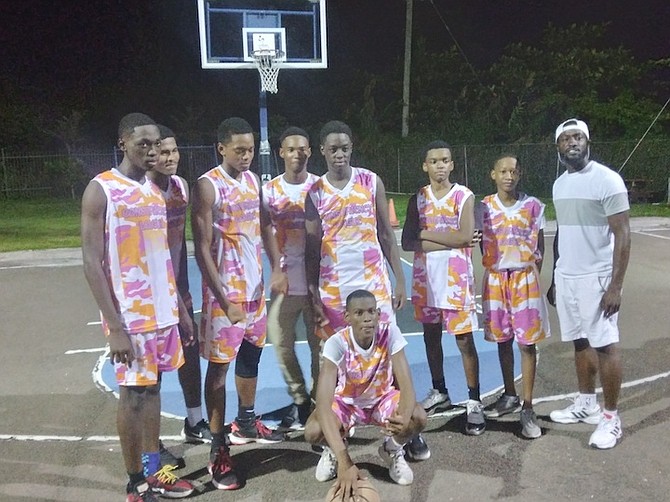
583 201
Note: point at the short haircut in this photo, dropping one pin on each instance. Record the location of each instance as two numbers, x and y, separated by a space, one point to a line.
166 132
229 127
129 122
433 145
507 156
359 293
293 131
334 127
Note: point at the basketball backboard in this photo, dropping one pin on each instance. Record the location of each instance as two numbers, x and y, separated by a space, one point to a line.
231 30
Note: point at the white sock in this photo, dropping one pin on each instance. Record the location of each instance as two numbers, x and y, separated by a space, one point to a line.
194 415
610 414
390 444
589 400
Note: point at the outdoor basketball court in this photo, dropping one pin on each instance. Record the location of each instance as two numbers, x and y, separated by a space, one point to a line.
58 438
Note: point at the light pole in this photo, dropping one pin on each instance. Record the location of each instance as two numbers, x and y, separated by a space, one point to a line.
407 68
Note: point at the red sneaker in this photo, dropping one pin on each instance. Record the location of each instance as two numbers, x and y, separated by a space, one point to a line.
223 474
168 485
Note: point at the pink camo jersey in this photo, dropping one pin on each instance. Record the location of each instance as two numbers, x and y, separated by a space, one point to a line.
286 205
236 246
351 256
364 379
510 234
137 257
443 279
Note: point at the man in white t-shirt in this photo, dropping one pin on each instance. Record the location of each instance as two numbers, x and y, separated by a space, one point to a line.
590 261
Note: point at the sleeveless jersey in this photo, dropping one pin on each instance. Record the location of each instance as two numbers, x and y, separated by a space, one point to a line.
443 279
236 243
137 257
286 204
510 234
176 202
351 256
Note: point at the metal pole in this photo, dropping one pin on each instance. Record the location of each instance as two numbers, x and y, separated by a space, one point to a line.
264 150
465 157
408 65
4 172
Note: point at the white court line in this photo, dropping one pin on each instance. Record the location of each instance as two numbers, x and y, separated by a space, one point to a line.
652 235
84 351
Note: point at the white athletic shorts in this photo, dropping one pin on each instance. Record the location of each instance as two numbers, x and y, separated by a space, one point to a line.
579 313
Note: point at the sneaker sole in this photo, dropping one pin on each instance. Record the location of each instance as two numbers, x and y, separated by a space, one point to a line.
592 420
238 441
498 414
425 456
437 408
194 439
474 432
173 495
531 436
221 486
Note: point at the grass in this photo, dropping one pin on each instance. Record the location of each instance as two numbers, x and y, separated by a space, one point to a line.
54 223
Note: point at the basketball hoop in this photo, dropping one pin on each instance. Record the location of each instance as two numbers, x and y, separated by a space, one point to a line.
266 62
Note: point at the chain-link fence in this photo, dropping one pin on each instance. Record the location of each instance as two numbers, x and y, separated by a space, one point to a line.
400 169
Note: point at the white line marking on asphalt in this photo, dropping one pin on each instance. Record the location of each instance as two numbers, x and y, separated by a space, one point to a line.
653 235
83 351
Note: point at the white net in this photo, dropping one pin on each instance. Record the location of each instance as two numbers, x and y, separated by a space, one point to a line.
266 62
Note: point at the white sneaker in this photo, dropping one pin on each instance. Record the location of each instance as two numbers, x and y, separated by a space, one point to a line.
436 401
326 469
399 470
607 433
577 412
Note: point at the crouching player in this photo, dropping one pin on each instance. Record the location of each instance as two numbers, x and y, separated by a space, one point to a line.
356 386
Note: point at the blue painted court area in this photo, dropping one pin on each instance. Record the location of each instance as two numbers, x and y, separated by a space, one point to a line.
272 397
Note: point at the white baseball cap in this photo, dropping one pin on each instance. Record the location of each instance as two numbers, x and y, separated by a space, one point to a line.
572 124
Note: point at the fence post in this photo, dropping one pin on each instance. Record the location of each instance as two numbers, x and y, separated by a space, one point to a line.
465 157
398 168
4 173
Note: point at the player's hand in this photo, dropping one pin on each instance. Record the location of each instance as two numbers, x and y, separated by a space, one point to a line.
347 483
279 282
610 302
394 424
187 329
399 295
234 313
476 237
120 348
551 294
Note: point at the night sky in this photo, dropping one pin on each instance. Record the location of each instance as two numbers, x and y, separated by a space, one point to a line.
109 57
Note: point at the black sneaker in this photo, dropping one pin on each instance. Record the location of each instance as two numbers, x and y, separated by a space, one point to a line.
197 434
475 423
254 432
417 448
168 459
296 418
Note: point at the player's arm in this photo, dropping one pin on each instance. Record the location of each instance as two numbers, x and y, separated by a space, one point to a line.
551 292
93 211
179 266
389 245
410 239
278 279
201 220
403 378
540 249
313 240
330 424
620 226
460 237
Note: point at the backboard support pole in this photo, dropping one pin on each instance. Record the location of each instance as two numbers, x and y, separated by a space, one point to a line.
264 152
